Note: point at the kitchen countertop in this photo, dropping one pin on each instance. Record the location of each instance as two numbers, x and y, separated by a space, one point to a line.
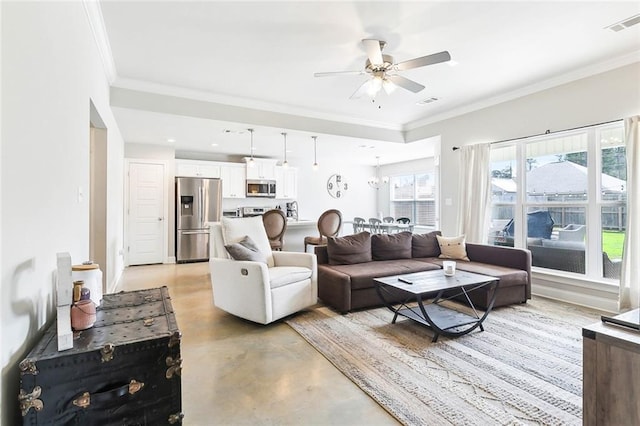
292 223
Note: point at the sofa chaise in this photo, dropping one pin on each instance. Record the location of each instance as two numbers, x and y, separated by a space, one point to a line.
348 265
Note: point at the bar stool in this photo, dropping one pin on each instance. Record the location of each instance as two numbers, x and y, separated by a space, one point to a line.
329 225
275 223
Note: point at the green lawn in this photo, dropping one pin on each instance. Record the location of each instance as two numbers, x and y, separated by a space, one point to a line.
612 243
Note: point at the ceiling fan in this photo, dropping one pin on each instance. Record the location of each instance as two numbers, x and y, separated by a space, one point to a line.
384 72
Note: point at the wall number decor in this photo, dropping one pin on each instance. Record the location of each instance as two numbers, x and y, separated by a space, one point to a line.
337 186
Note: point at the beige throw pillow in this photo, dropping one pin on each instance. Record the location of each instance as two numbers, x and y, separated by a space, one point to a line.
452 247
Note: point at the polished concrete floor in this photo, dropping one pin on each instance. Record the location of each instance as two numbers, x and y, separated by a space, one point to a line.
239 373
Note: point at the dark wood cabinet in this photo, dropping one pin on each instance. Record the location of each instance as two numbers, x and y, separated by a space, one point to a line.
125 370
611 375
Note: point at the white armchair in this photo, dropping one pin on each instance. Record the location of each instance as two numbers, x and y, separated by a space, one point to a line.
257 291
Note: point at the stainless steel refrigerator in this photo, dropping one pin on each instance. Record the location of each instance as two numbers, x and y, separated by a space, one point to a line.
198 201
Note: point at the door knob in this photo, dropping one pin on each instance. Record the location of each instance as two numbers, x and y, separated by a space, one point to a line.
159 219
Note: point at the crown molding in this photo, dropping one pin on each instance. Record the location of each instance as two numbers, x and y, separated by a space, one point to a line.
199 95
589 71
96 22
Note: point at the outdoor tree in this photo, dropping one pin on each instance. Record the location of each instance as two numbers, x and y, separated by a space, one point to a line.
613 161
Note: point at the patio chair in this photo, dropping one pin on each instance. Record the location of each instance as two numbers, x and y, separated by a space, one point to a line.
403 220
388 219
572 232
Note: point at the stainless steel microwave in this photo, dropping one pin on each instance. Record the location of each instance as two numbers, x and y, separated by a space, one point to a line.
261 188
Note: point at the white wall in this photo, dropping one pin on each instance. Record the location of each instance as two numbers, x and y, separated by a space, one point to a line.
51 72
603 97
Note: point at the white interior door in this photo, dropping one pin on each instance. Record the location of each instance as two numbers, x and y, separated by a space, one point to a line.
146 214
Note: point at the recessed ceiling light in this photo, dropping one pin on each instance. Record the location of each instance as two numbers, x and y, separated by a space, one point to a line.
214 144
171 140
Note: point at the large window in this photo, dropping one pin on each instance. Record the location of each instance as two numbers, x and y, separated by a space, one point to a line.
572 212
413 196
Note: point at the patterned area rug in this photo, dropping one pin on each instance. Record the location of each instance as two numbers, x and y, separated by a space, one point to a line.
525 368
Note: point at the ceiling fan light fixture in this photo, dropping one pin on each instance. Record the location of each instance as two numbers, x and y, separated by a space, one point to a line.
375 85
388 86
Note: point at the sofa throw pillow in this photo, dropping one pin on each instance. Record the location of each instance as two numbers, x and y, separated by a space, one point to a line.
350 249
246 249
391 246
452 247
425 245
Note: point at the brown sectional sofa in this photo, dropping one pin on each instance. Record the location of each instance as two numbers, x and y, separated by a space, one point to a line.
346 270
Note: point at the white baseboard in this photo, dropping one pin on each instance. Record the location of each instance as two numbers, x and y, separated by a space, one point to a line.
593 295
115 285
170 260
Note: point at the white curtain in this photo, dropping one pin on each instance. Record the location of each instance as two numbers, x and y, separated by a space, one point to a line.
630 278
474 191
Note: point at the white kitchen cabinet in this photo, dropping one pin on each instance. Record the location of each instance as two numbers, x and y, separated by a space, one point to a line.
233 180
197 168
263 168
286 183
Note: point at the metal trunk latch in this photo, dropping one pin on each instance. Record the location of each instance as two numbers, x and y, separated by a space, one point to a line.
175 339
175 418
28 366
175 367
107 352
30 400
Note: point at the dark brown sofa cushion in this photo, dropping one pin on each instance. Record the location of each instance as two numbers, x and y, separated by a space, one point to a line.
350 249
362 274
425 245
391 246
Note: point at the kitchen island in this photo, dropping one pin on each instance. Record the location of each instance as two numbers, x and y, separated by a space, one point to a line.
295 233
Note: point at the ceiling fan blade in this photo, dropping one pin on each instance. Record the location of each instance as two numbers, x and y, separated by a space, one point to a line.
361 91
374 52
405 83
335 73
436 58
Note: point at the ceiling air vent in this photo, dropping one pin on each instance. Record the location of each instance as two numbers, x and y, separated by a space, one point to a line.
427 101
629 22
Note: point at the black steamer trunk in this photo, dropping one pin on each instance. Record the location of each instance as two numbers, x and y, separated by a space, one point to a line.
125 370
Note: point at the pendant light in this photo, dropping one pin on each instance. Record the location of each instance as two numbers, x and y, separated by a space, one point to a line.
251 162
285 163
376 181
315 152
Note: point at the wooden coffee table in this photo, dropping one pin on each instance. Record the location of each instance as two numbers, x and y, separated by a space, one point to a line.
427 290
